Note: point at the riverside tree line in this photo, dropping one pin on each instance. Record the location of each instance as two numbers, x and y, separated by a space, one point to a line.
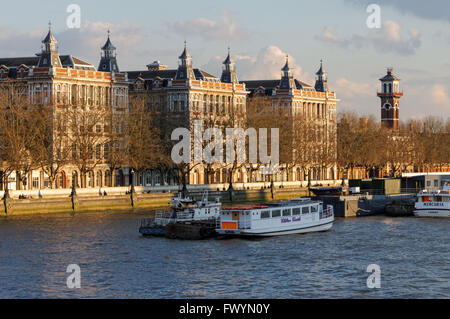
49 138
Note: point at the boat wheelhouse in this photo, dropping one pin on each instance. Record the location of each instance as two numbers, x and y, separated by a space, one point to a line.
434 203
295 216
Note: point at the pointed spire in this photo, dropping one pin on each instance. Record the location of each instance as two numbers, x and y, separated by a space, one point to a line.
287 81
320 72
229 73
49 38
286 66
108 45
321 82
185 70
184 54
49 56
108 61
228 59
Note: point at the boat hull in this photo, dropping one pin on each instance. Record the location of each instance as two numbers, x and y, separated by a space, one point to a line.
432 213
326 191
257 233
155 231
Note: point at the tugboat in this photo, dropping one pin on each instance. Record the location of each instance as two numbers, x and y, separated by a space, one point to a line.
182 210
434 203
296 216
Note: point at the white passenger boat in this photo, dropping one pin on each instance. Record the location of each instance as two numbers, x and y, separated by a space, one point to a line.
434 203
296 216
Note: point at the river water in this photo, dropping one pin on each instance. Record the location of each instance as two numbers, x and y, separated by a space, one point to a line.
116 262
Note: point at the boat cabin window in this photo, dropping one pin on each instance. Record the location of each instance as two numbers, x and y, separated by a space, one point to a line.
265 214
296 211
276 213
305 210
314 209
286 212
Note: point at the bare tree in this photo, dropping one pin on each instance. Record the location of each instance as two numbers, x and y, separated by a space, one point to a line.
143 144
17 133
50 148
86 137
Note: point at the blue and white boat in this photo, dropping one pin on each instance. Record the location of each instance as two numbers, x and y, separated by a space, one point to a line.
296 216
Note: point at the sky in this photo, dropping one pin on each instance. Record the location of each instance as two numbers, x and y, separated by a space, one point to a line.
413 38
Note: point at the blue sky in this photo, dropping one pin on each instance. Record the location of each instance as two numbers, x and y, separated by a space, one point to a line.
414 39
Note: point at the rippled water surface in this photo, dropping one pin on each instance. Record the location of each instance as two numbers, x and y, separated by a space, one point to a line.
116 262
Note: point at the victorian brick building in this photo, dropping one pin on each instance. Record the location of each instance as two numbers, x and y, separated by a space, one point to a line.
60 82
187 94
315 105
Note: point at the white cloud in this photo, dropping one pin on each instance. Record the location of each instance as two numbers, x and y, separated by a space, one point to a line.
347 88
440 95
356 96
19 43
266 64
431 9
87 41
227 27
387 39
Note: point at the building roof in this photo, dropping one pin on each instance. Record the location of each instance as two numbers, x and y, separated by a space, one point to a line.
320 72
167 74
286 66
108 45
49 38
272 84
66 61
389 76
185 54
228 59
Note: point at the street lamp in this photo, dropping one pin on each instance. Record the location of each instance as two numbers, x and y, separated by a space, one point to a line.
132 180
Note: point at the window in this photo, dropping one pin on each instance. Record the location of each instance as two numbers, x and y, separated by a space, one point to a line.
276 213
305 210
436 183
296 211
314 209
98 151
428 183
286 212
107 150
35 182
148 178
265 214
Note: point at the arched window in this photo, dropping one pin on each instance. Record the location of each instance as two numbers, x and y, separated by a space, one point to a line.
108 178
148 178
99 180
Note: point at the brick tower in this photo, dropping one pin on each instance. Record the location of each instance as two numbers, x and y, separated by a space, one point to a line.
390 97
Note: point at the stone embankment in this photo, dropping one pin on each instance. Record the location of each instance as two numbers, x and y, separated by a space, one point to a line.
120 199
